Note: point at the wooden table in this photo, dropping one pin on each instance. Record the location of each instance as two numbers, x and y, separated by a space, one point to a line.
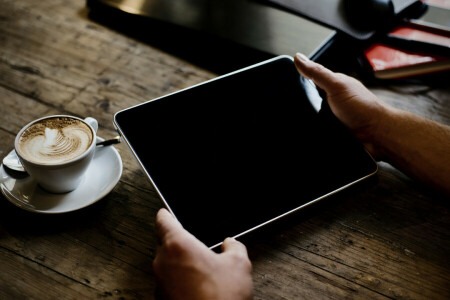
388 238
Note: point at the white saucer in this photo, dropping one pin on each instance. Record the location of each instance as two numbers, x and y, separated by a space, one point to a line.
101 177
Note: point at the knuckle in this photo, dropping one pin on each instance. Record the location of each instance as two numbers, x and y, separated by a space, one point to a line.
341 79
172 247
316 69
242 260
342 82
345 79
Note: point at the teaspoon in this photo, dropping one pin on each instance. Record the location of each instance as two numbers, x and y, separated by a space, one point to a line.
12 161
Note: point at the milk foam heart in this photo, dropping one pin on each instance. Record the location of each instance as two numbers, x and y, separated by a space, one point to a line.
55 140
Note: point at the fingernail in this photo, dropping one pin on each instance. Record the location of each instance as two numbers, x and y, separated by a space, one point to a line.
301 57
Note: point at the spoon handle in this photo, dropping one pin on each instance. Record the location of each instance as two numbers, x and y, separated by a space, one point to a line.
112 141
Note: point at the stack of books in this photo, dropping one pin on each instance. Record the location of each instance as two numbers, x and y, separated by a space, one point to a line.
416 47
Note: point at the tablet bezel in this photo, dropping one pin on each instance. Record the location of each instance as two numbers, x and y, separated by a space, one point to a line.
166 204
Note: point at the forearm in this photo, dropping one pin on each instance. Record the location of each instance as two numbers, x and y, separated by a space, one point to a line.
415 145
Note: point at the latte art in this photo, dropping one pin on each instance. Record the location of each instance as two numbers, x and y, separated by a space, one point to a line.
55 140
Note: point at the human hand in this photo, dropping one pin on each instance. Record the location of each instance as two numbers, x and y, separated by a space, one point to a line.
417 146
351 102
186 269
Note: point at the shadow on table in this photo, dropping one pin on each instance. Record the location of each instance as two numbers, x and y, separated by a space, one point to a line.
270 233
14 219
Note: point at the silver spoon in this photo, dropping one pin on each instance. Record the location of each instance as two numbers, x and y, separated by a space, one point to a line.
12 161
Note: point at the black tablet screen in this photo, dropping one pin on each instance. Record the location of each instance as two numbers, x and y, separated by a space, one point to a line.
236 152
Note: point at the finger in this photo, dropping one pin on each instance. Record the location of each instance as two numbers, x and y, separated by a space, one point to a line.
230 245
166 224
237 252
320 75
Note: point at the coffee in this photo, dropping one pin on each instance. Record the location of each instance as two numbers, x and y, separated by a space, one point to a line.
55 140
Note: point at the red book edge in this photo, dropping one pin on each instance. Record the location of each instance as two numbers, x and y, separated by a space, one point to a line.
429 36
388 62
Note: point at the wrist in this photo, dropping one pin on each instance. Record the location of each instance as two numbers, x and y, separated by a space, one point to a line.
373 137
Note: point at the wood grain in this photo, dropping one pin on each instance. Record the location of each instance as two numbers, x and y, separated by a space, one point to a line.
388 238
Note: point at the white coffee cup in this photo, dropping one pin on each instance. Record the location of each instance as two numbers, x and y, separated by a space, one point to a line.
61 176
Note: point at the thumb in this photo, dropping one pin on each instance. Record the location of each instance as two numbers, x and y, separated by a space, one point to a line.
321 76
166 224
231 246
237 252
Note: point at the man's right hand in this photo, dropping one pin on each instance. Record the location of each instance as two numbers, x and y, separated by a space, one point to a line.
417 146
351 102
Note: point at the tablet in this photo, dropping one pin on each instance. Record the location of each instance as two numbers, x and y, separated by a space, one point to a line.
232 154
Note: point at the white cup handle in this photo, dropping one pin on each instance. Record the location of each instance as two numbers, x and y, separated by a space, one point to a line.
93 122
